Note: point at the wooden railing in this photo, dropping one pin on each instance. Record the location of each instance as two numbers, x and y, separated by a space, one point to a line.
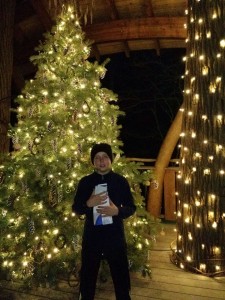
168 211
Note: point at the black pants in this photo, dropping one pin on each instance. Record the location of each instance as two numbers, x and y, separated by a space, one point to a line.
118 264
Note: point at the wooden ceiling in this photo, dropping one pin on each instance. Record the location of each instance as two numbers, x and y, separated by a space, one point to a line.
113 26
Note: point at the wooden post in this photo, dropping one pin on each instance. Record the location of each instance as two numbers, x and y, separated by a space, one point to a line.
154 200
7 10
169 195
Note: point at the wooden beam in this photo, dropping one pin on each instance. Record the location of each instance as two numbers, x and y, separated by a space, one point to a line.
150 13
113 10
115 16
142 28
157 47
169 195
126 49
149 8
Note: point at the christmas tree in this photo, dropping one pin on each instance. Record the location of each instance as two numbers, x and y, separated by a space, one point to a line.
61 113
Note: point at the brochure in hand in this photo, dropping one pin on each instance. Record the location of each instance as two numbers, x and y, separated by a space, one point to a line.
98 218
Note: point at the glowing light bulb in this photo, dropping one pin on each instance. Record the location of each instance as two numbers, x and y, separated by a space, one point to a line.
211 215
190 236
202 267
205 70
197 155
55 231
206 171
217 250
146 242
5 263
222 43
44 92
213 197
197 203
212 88
210 158
139 246
193 134
214 225
196 98
188 258
219 148
187 180
219 119
197 36
187 220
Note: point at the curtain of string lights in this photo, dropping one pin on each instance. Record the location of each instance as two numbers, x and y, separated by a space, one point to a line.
200 244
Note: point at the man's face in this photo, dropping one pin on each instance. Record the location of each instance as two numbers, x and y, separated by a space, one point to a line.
102 162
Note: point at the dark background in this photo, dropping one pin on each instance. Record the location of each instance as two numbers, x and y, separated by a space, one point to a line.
150 91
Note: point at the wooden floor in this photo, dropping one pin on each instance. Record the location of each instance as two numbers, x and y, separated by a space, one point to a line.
167 282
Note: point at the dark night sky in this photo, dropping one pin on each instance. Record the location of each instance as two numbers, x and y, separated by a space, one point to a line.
149 89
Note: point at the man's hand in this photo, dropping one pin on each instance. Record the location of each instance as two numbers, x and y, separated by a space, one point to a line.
111 210
96 200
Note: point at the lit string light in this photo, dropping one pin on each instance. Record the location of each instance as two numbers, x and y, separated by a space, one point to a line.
201 192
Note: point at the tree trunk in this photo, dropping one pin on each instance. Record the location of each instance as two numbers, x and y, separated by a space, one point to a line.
7 11
200 243
154 200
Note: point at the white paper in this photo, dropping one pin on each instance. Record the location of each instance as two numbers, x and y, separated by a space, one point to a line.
98 218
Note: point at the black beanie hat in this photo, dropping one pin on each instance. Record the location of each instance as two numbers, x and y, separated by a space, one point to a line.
102 147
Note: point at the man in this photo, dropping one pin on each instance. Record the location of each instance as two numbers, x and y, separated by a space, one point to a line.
103 230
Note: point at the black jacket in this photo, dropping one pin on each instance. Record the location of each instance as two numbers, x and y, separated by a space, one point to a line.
120 194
